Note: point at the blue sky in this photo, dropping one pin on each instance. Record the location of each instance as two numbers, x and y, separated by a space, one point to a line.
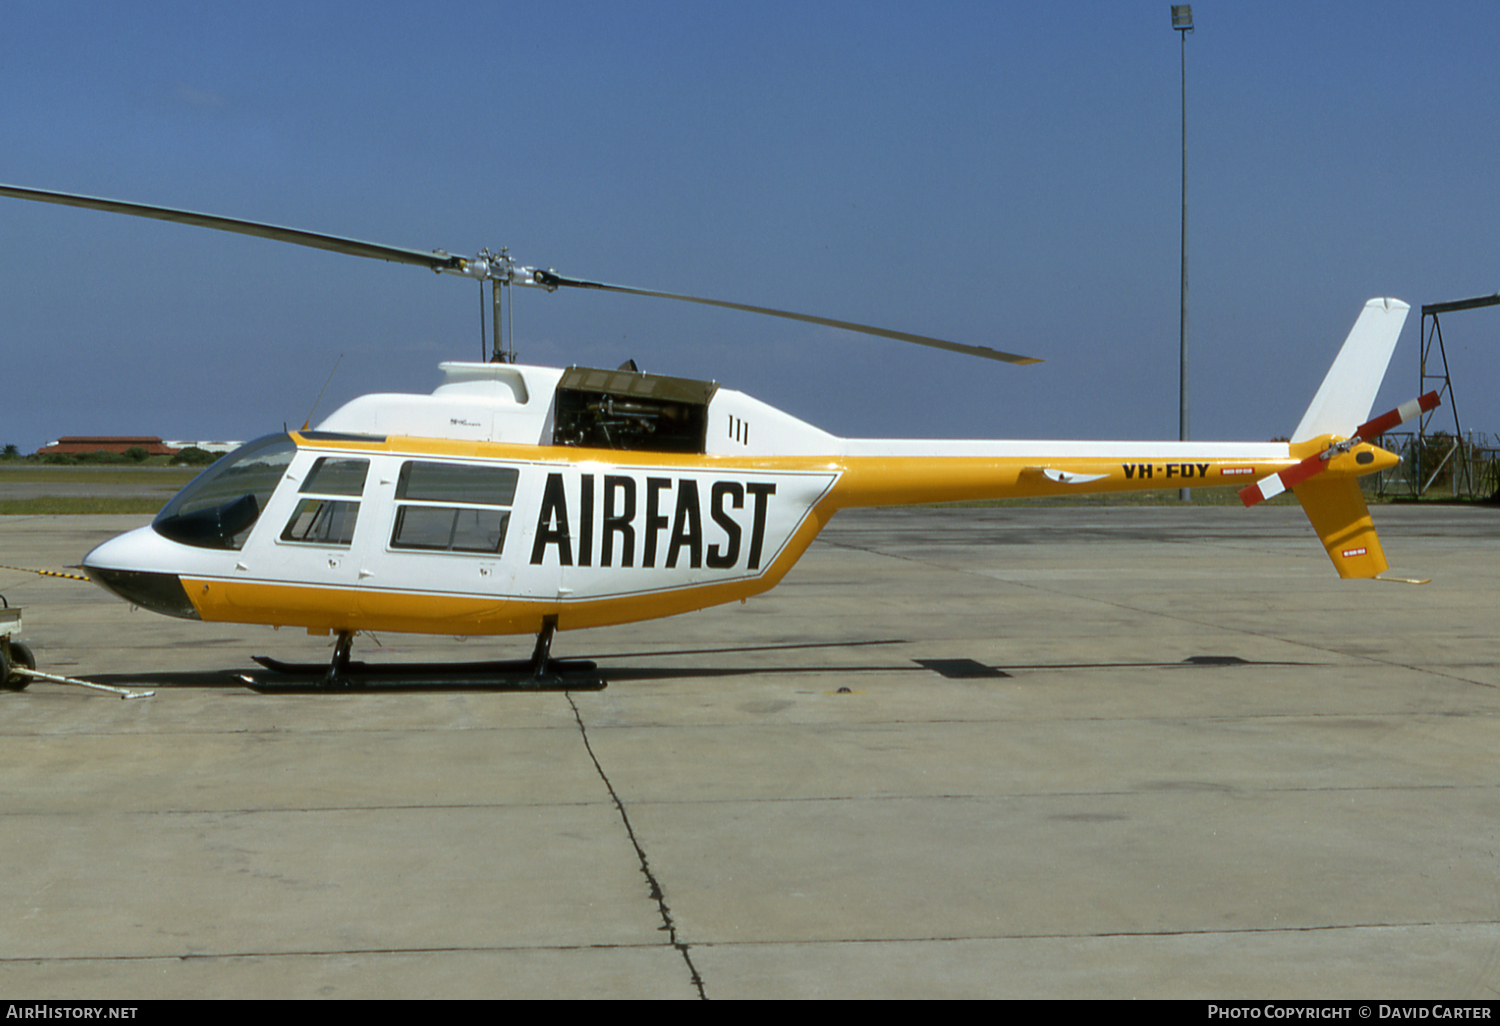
1004 174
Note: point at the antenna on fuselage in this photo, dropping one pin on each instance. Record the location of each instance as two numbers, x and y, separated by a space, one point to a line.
308 422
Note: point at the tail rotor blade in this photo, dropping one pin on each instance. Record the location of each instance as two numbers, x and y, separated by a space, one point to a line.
1395 418
1273 485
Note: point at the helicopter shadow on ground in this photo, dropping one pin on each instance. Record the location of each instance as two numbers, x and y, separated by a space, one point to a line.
581 674
569 674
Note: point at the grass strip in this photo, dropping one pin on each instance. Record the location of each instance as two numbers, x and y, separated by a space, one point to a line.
70 505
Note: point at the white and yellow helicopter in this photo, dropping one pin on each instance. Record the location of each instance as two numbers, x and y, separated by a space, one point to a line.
518 499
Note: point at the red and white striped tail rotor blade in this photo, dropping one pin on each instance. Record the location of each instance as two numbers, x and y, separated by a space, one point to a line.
1395 418
1273 485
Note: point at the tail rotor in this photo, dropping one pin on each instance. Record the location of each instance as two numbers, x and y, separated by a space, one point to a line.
1273 485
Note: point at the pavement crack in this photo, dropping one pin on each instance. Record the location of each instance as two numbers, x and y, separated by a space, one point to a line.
669 925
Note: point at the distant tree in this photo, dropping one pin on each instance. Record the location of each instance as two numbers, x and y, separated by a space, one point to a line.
137 453
10 452
192 456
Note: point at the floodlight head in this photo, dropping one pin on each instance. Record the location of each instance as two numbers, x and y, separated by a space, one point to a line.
1182 17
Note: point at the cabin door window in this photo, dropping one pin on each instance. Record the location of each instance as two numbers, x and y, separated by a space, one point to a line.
453 507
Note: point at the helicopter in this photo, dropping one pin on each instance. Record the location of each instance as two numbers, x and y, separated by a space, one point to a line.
525 500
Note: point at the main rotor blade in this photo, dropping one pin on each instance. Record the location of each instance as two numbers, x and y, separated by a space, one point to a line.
437 261
551 280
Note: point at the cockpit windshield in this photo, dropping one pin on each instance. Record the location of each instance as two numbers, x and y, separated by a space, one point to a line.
219 506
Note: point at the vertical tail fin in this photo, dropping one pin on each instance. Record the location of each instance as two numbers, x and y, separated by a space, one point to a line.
1348 391
1333 502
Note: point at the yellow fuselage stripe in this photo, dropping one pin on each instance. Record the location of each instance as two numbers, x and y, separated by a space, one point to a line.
864 481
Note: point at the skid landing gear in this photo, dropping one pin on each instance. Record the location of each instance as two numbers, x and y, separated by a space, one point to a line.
543 649
539 673
336 670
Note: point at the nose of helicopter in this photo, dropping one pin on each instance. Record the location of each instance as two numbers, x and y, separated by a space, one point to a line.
122 566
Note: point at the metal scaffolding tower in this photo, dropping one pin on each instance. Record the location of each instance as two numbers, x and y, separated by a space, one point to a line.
1462 470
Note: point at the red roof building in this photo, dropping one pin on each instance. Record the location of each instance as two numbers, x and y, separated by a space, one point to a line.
75 444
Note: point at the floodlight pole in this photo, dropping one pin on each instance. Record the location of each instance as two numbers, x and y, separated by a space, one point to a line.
1182 22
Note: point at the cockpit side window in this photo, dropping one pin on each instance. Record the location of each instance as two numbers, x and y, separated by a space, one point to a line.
328 513
218 508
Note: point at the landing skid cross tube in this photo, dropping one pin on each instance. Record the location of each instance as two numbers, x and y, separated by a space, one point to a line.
539 673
